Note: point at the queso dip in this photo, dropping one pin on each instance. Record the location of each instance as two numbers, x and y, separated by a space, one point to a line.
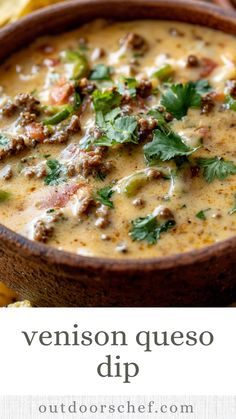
119 139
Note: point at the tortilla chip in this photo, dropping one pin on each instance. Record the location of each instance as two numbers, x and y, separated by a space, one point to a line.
11 10
6 296
7 9
31 5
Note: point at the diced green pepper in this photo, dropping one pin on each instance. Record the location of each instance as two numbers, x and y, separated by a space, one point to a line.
59 116
4 196
80 69
164 73
81 66
77 101
233 210
231 103
60 113
131 184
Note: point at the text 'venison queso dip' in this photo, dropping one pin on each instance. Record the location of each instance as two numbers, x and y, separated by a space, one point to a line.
119 139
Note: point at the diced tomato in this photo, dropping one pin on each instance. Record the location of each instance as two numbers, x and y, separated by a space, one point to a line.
61 92
60 196
35 131
207 66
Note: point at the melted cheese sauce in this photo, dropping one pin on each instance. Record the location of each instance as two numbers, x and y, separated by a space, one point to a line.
169 43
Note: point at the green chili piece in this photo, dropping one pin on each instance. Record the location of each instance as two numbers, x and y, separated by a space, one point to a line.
133 183
164 73
4 196
80 63
58 117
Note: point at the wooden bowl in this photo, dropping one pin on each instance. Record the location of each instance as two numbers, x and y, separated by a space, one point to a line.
49 277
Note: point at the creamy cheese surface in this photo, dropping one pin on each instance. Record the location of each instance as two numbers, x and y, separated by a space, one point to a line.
119 139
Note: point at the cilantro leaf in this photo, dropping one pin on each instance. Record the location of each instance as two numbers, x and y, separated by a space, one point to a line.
4 196
123 130
202 86
159 116
130 83
179 98
233 210
148 228
104 195
230 103
116 129
103 141
106 101
57 173
100 176
3 140
111 116
216 168
101 72
201 214
86 142
166 147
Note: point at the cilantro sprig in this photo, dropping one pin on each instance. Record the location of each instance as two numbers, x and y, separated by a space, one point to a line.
116 128
230 103
166 146
159 116
57 173
202 214
180 97
101 72
216 168
128 84
122 130
149 228
202 86
104 196
105 101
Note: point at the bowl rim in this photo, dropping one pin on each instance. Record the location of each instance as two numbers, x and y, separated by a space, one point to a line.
28 248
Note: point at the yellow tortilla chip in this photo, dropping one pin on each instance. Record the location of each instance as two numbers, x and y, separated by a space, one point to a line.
6 296
11 10
31 5
7 9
